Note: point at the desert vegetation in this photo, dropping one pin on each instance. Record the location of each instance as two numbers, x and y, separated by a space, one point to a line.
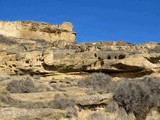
99 82
131 97
6 40
21 86
46 75
58 102
138 95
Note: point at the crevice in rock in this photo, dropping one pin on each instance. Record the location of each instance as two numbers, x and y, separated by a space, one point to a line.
127 74
123 67
31 72
121 56
154 60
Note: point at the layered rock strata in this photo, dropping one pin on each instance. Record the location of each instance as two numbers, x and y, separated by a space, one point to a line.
21 56
49 79
38 30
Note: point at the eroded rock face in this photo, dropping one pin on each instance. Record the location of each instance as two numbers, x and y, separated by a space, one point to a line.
58 67
21 56
38 30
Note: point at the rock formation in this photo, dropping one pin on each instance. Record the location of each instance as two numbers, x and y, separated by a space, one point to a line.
56 65
21 56
38 30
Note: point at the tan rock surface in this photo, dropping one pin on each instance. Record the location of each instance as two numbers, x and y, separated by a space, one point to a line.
41 57
38 30
56 67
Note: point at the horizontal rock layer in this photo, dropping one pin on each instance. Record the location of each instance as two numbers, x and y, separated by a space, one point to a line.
38 30
42 79
42 57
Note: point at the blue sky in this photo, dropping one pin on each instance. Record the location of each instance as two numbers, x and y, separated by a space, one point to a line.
134 21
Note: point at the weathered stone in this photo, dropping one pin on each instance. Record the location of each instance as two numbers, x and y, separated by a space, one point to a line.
38 30
33 57
48 55
94 100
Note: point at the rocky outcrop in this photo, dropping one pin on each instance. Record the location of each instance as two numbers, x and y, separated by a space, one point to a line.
38 30
56 69
35 57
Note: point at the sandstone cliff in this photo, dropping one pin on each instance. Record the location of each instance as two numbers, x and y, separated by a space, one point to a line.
21 56
38 30
63 80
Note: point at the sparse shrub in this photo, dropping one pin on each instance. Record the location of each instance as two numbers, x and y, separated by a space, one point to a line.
61 102
133 96
21 86
96 116
7 40
154 85
112 86
96 81
7 99
138 95
58 102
